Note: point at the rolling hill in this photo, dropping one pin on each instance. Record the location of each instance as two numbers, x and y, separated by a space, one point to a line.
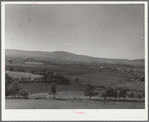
66 57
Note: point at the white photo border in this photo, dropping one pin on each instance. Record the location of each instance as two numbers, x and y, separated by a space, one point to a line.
66 114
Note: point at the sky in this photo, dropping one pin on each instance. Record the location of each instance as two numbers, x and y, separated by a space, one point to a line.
104 31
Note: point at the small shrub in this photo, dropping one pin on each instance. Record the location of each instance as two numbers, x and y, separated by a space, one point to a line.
139 96
11 69
20 70
24 93
131 96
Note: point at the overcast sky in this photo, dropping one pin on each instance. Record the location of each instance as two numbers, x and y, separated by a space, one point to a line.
106 31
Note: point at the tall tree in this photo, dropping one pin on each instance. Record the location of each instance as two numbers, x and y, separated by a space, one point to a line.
131 96
139 96
89 91
143 95
76 80
53 89
104 95
11 69
14 88
123 93
8 81
10 61
115 94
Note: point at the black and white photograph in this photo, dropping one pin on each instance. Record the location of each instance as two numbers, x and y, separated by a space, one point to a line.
75 56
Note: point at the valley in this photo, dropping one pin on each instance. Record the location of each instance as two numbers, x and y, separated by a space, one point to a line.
31 69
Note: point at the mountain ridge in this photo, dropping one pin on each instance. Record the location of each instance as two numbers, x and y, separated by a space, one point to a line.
67 56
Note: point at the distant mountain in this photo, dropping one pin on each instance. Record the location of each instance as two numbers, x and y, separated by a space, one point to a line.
66 57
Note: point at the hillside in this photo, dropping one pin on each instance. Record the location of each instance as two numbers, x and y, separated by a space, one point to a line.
66 57
109 72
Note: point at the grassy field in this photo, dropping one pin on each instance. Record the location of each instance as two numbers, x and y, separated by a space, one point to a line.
86 75
71 100
98 78
50 68
69 104
113 75
107 77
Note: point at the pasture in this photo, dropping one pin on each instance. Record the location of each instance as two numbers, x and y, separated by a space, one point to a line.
87 75
50 68
97 78
69 104
72 100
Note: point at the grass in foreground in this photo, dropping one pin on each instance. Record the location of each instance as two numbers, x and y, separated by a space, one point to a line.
69 104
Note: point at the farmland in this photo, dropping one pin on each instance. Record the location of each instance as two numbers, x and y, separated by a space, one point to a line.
86 75
73 78
52 68
86 55
20 75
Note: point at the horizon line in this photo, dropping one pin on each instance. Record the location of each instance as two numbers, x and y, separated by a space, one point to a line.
75 54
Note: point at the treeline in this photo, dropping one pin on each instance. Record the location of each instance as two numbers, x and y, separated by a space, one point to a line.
51 77
13 89
48 77
111 93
